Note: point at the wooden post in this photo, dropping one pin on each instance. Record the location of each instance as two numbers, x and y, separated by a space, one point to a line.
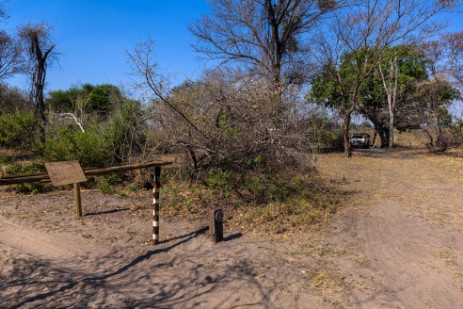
216 225
156 189
78 202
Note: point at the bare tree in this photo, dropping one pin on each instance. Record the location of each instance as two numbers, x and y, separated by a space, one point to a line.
265 37
11 60
40 49
221 120
10 51
453 43
445 62
12 99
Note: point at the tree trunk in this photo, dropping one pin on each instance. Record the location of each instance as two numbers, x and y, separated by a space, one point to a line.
390 86
391 127
383 136
346 137
39 87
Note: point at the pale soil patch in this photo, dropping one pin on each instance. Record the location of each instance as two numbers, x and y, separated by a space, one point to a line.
50 259
406 233
396 245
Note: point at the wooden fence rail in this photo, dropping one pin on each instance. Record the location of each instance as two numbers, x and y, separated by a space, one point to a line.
18 179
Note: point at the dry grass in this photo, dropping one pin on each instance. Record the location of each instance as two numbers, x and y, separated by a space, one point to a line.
308 252
447 257
430 185
282 205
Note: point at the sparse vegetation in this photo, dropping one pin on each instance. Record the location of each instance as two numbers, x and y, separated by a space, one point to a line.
260 136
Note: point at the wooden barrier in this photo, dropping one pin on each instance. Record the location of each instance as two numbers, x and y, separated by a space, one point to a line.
19 179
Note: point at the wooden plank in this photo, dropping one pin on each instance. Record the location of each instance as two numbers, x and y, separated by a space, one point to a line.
124 168
88 172
24 179
65 172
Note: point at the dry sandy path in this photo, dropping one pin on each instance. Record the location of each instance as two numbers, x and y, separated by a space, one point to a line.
49 259
397 245
405 238
44 245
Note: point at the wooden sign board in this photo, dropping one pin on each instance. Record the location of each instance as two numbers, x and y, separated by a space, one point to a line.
65 173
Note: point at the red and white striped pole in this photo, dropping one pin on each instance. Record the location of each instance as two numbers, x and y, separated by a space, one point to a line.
156 189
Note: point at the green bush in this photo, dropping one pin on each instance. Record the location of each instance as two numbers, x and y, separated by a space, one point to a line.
220 179
110 137
16 129
29 168
89 148
3 159
106 183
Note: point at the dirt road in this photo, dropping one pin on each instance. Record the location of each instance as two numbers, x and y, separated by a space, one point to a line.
404 244
397 245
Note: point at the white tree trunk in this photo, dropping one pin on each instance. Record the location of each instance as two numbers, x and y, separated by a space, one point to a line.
391 86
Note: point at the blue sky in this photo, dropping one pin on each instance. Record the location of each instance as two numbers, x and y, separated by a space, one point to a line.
93 35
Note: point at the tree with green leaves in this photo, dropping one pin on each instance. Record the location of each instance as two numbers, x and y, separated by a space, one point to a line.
402 78
391 87
96 124
352 46
90 98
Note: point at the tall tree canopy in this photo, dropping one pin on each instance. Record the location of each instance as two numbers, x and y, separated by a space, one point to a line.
418 96
363 32
99 98
262 36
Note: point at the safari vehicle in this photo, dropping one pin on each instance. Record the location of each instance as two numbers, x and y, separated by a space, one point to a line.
360 140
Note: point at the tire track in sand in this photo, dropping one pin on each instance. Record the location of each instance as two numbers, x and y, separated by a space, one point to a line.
46 246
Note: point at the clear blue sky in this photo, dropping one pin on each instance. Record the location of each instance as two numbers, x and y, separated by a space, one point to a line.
93 35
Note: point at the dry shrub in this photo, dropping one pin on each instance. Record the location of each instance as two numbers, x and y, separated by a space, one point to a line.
441 139
276 203
238 137
230 125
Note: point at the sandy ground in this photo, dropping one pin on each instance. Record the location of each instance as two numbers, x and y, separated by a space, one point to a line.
396 245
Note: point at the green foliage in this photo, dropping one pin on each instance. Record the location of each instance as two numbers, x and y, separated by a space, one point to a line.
114 126
20 168
220 179
444 118
89 148
106 183
331 87
3 159
100 98
16 129
124 129
63 101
